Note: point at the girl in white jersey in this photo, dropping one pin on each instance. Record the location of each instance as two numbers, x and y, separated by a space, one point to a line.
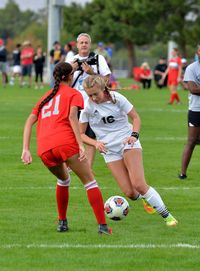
118 141
192 79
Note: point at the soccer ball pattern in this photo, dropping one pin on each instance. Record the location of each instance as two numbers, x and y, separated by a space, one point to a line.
116 208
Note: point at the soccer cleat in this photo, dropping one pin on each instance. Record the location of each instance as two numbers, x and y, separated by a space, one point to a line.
62 225
103 229
171 221
182 176
148 208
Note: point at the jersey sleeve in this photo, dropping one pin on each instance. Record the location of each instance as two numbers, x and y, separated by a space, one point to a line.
35 109
84 116
103 66
77 100
124 104
189 75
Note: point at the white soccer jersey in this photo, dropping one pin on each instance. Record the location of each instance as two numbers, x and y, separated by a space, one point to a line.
192 73
109 121
103 70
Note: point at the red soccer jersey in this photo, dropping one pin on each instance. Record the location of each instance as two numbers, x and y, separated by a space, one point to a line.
53 127
27 56
174 65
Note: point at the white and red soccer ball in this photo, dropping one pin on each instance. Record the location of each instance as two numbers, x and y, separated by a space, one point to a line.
116 208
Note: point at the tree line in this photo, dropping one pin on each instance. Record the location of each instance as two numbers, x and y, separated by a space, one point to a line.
129 23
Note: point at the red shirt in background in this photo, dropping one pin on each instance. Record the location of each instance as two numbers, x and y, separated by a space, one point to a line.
53 127
27 54
145 72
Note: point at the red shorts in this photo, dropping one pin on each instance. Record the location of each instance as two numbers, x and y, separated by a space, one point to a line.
172 82
58 155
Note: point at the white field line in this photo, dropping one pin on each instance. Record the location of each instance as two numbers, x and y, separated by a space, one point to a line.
5 188
99 246
162 110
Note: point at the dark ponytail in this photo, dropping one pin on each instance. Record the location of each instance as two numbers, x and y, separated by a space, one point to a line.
61 72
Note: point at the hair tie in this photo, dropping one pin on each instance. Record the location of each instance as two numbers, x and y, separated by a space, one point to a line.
63 77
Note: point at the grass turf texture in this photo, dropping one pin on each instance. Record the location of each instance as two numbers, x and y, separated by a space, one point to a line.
28 237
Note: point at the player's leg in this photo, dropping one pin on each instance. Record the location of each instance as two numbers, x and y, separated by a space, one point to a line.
121 175
90 152
84 172
193 134
62 194
134 164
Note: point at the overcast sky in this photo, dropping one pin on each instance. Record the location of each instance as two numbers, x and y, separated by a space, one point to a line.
36 4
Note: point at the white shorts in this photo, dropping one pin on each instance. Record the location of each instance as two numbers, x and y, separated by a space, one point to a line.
118 154
17 69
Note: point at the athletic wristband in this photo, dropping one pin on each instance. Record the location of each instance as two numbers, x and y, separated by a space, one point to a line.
135 134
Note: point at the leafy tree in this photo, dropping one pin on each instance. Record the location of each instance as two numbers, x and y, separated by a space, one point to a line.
179 21
13 21
131 22
75 21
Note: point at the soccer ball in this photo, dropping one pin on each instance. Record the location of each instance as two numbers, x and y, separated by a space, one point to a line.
116 208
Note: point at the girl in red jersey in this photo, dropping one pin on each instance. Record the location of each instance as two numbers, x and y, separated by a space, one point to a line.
174 72
59 141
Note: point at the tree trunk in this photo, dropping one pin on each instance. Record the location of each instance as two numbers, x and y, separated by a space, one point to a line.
131 57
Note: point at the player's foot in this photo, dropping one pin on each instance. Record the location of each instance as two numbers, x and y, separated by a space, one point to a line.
62 225
182 176
104 229
69 170
171 221
148 208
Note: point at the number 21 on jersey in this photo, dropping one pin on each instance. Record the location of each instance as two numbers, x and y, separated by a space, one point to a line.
52 108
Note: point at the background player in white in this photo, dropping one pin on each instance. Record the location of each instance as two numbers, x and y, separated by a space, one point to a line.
83 71
118 141
192 80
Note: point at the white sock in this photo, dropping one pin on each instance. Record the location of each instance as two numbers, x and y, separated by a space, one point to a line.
63 183
154 199
91 185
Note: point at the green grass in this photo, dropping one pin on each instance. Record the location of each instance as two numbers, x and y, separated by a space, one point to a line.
28 237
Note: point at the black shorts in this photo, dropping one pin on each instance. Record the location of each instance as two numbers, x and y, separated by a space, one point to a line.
27 70
193 119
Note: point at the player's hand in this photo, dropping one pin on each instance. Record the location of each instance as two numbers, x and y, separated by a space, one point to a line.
26 157
100 146
130 140
82 154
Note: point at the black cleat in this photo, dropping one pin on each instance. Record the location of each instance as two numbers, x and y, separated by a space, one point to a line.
103 229
182 176
62 226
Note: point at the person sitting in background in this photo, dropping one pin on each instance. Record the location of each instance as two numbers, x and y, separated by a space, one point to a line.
159 70
145 75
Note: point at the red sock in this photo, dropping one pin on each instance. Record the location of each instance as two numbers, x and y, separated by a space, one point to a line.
96 201
62 198
177 97
172 98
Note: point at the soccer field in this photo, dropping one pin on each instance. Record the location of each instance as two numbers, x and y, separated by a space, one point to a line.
28 237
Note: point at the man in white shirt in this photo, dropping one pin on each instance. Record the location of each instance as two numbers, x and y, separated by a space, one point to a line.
86 63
